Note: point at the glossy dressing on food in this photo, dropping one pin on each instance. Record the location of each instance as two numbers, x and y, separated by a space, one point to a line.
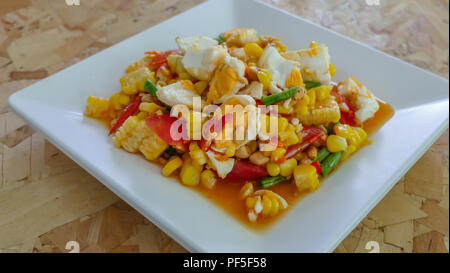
226 193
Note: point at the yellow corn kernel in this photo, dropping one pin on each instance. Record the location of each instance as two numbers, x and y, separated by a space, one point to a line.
190 175
231 150
141 63
250 202
306 177
291 140
172 61
97 107
282 124
253 50
267 205
313 44
353 137
342 130
287 168
125 136
332 70
302 110
362 134
336 143
305 99
208 179
165 71
265 78
275 206
193 146
272 119
291 128
197 155
175 63
301 107
267 153
312 97
172 166
200 86
171 81
184 76
149 107
322 114
151 147
142 115
132 67
198 166
277 154
348 152
284 110
323 92
124 99
119 101
287 132
220 144
186 158
273 169
246 190
133 82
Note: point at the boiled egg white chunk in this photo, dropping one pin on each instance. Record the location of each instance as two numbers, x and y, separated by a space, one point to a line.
279 68
365 102
181 92
201 55
314 63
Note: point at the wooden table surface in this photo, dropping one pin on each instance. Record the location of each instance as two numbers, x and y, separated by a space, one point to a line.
47 200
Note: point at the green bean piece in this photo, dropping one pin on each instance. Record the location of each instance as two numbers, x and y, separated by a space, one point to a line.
151 88
220 39
270 181
322 154
309 85
269 100
330 163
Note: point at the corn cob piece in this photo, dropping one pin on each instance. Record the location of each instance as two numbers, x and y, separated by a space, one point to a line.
97 107
134 136
322 114
133 82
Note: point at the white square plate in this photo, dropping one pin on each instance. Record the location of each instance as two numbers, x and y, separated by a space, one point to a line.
317 223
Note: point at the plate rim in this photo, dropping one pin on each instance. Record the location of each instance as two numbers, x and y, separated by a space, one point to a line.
167 227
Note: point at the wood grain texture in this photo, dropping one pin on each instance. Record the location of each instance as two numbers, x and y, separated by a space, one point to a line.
46 200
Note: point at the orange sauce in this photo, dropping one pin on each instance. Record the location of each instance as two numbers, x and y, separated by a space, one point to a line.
225 194
384 113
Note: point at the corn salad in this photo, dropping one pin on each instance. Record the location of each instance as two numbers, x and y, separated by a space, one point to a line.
305 124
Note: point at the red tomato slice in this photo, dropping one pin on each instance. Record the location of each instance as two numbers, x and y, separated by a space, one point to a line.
161 124
347 116
246 171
